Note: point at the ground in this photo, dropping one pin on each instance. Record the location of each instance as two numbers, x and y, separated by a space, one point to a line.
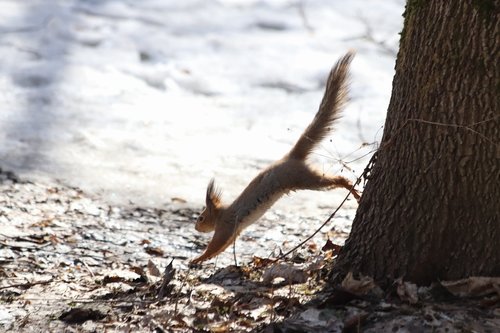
69 262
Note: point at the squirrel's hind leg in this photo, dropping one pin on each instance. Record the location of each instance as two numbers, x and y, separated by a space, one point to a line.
313 180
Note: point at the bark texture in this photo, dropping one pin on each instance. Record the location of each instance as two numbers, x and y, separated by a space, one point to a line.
430 209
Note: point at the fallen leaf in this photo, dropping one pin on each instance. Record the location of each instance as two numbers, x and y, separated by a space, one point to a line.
225 275
339 296
152 269
259 262
154 251
120 275
43 223
312 247
289 273
81 315
219 328
316 263
329 245
354 322
168 275
407 291
359 287
473 286
177 199
139 271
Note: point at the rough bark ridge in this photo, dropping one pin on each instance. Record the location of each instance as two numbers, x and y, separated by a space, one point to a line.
431 207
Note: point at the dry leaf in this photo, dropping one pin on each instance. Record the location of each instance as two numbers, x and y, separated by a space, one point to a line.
139 271
359 287
316 263
312 247
219 328
120 275
81 315
407 291
353 322
226 275
178 199
152 269
259 262
473 286
289 273
329 245
168 275
154 251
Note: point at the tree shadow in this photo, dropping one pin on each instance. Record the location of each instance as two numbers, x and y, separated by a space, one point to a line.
38 37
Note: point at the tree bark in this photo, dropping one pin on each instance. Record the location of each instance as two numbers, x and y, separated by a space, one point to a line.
430 209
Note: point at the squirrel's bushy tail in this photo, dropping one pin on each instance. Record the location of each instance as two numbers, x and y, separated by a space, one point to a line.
329 109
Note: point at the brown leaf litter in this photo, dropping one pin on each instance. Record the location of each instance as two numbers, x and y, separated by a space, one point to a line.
69 262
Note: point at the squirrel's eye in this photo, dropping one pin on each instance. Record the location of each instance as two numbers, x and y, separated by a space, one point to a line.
200 218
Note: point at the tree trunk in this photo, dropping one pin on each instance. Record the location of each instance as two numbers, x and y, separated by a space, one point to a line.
430 209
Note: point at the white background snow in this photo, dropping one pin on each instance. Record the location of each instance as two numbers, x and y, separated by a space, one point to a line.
145 101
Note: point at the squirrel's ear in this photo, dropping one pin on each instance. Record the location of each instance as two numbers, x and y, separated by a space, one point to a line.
213 197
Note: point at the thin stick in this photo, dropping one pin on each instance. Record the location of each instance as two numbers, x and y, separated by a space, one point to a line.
87 267
27 284
466 127
234 244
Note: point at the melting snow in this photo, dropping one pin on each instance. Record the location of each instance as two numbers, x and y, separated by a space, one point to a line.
145 101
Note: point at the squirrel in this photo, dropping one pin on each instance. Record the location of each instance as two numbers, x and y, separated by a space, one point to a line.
291 173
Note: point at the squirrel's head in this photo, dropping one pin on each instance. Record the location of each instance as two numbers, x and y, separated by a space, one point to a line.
208 217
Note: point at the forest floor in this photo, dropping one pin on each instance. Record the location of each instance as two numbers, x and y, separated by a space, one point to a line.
70 263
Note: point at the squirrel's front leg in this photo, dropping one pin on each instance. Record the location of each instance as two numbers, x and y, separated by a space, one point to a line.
224 235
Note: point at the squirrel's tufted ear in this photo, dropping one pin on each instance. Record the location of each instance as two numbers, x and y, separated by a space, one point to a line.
213 198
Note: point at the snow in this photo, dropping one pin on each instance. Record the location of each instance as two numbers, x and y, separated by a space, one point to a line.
145 101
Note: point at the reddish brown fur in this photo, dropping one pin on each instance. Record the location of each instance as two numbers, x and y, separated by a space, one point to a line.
291 173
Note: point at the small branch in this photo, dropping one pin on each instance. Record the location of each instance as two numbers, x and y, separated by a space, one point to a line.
26 285
303 17
234 243
466 127
368 36
87 267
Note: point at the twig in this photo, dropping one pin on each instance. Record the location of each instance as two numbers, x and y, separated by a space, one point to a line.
27 284
466 127
87 267
303 16
90 301
369 37
178 296
234 244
